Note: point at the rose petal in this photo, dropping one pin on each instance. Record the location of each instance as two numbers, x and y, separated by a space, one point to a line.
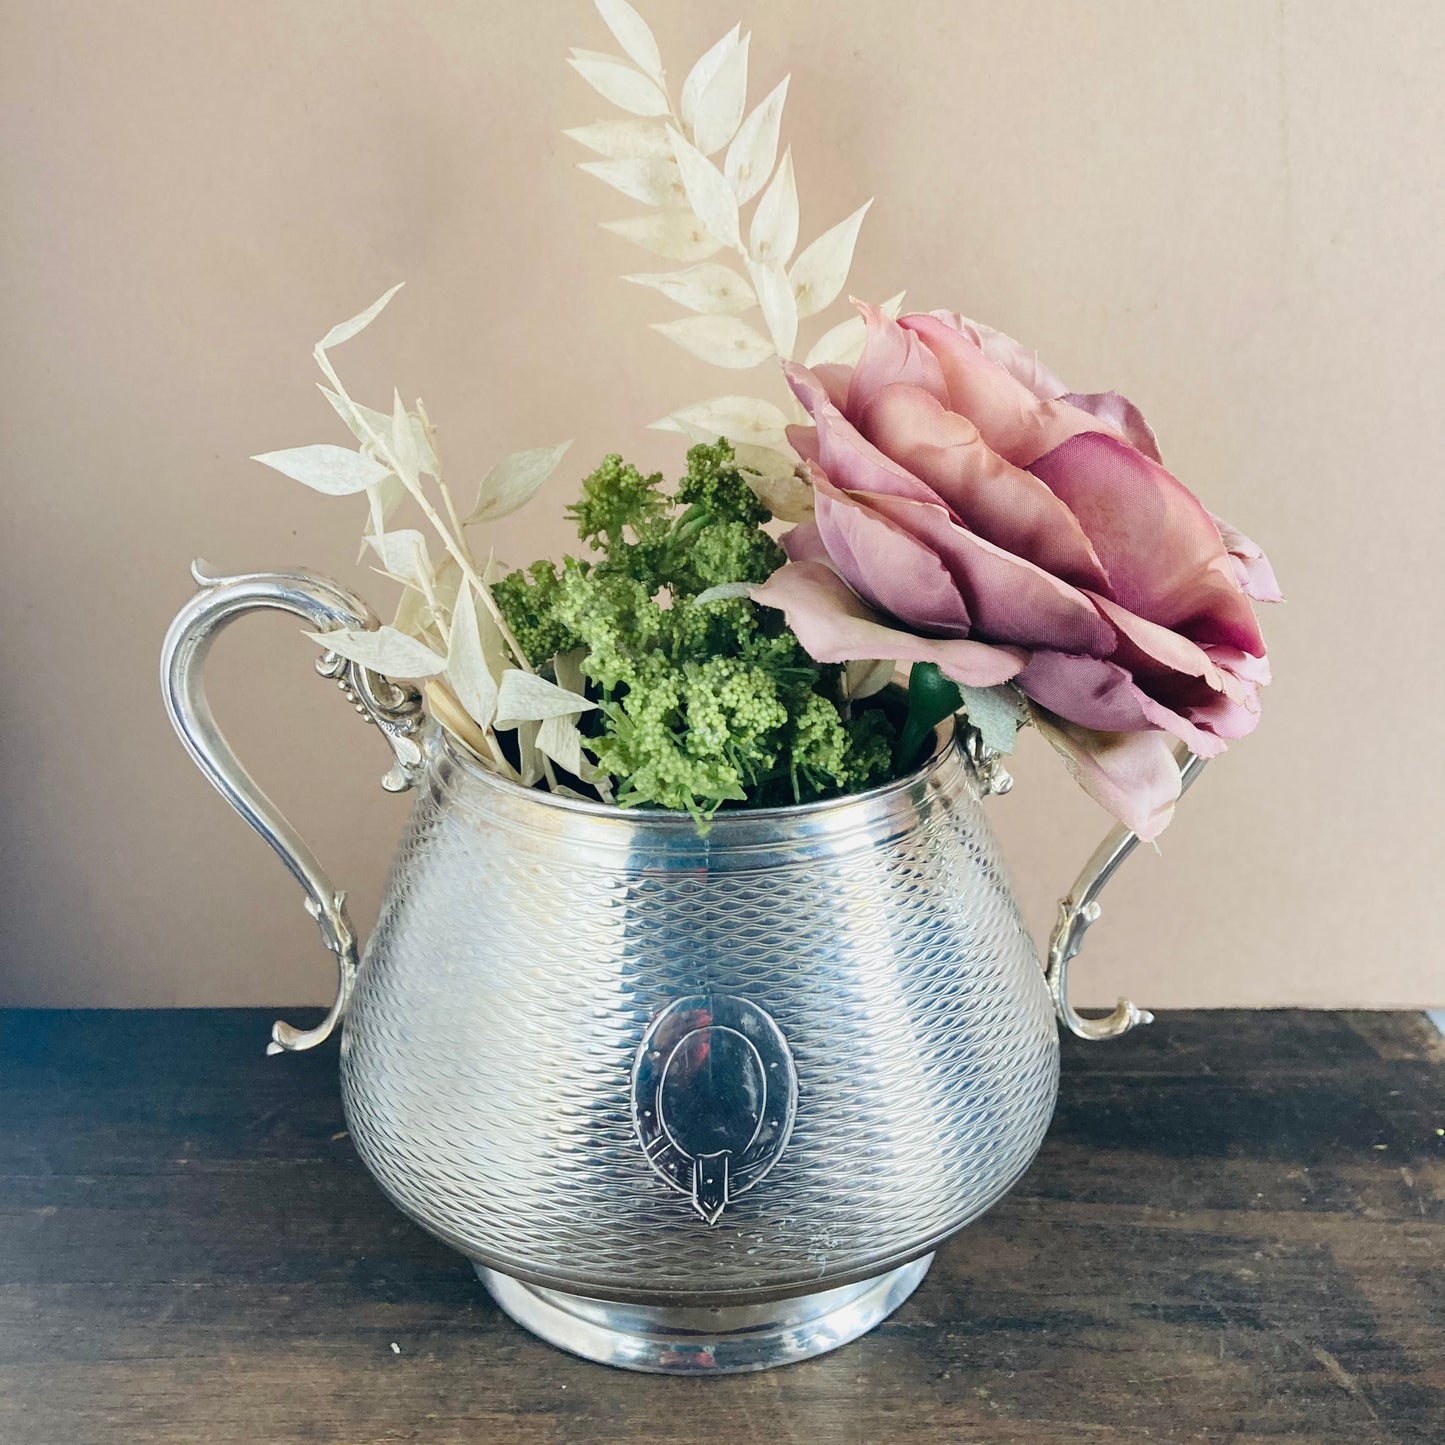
848 457
1251 567
1015 358
1008 598
1152 644
1121 415
885 565
835 625
804 544
891 354
1225 717
1255 670
1199 685
1236 713
1005 504
1162 551
804 441
1133 776
1103 696
835 380
1011 419
1118 413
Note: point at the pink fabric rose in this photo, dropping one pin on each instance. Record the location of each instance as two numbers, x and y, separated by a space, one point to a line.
985 518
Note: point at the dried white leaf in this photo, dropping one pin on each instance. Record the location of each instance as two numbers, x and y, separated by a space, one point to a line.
721 340
525 697
780 310
567 670
558 736
353 414
708 193
389 493
820 271
345 330
560 740
425 458
626 88
402 441
472 674
413 613
709 287
864 676
719 108
528 758
674 235
632 34
381 501
723 592
380 425
774 475
337 471
653 180
623 139
513 481
403 554
700 76
843 345
774 231
739 418
382 649
754 148
442 704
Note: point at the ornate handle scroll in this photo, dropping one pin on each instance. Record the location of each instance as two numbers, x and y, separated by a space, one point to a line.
1080 908
395 709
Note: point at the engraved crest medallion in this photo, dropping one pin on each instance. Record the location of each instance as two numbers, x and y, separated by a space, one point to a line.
714 1095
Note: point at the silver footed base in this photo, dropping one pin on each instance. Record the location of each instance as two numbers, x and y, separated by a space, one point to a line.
704 1341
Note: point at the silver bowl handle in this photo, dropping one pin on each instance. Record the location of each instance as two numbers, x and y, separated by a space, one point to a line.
1080 907
395 709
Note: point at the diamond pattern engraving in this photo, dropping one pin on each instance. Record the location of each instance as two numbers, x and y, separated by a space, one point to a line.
523 950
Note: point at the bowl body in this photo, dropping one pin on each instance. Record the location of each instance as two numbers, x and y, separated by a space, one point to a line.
603 1054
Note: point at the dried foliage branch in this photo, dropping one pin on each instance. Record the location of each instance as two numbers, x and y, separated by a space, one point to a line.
699 164
476 677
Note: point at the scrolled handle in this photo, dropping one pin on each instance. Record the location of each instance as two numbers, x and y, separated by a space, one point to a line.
395 709
1079 908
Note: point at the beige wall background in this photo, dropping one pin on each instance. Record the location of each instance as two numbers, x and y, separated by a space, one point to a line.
1232 211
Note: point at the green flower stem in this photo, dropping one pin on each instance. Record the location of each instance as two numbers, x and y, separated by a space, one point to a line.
931 698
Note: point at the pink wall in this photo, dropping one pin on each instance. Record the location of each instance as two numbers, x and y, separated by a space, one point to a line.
1231 211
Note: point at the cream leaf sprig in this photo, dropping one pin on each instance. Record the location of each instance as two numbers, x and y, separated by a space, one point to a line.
476 678
700 163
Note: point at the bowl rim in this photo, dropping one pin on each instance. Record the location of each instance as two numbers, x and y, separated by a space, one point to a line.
946 747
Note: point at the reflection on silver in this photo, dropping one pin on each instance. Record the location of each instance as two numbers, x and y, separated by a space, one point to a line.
857 971
527 944
712 1341
714 1092
1079 909
396 709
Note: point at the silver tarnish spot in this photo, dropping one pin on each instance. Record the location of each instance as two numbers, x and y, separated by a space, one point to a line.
714 1094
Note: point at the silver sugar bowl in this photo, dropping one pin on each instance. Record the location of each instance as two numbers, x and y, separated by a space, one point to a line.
689 1102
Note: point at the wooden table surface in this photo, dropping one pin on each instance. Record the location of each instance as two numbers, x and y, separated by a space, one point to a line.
1235 1232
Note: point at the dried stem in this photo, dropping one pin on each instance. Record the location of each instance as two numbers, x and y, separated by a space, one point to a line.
454 544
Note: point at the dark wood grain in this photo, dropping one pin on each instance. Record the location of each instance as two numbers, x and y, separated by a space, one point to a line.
1235 1232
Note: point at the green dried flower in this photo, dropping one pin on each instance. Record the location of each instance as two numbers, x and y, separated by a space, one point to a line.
700 704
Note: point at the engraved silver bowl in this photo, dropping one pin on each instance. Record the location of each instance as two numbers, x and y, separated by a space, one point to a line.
690 1102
